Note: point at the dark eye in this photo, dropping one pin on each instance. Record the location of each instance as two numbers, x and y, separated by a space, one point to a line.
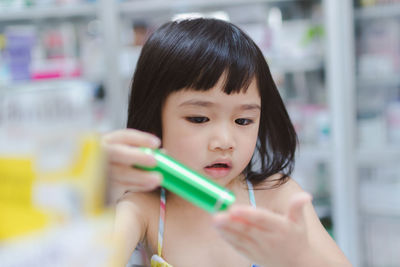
197 119
243 121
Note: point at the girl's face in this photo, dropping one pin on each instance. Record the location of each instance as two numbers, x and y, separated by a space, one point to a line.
212 132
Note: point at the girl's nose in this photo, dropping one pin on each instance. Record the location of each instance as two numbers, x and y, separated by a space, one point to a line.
222 139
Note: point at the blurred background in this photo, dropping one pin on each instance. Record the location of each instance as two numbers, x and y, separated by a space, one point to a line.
65 69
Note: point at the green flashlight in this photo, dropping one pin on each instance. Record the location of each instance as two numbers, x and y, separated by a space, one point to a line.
189 184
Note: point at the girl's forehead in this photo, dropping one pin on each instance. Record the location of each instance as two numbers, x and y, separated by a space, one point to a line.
216 94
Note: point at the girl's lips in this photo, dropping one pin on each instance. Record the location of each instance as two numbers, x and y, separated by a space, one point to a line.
217 172
218 169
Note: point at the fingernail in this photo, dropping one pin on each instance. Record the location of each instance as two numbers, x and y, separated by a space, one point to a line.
155 142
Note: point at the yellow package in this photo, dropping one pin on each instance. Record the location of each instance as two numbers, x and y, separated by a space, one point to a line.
32 197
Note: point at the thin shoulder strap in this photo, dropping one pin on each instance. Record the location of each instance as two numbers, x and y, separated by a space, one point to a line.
251 193
161 222
252 202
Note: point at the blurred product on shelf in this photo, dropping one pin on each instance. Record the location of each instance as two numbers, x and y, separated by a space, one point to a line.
381 241
379 187
378 65
293 42
393 122
378 120
365 3
55 68
312 123
46 107
372 132
379 48
22 4
4 71
141 32
91 50
82 243
55 53
380 209
20 41
52 185
61 50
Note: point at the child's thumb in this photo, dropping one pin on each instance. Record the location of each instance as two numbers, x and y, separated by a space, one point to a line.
297 204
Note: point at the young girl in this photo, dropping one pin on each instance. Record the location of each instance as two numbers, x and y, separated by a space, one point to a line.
203 91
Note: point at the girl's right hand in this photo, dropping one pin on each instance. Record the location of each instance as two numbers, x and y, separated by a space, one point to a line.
122 153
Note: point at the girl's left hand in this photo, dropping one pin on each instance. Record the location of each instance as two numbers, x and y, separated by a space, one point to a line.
265 237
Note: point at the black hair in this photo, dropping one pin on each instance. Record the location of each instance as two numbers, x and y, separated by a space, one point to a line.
194 54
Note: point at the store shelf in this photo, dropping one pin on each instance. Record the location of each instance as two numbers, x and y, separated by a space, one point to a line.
382 212
139 7
378 11
42 84
376 156
385 215
79 10
53 246
303 64
378 80
314 153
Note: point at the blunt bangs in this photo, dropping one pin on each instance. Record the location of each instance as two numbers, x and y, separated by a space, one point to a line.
213 46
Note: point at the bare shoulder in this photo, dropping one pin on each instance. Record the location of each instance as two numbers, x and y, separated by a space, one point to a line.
133 221
143 200
142 204
276 195
138 208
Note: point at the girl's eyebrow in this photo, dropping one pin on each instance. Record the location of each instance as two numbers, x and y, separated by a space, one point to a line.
250 107
195 102
203 103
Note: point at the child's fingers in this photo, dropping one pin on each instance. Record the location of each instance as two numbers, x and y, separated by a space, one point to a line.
235 226
250 245
125 155
134 179
296 208
261 218
132 137
245 230
239 241
243 233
